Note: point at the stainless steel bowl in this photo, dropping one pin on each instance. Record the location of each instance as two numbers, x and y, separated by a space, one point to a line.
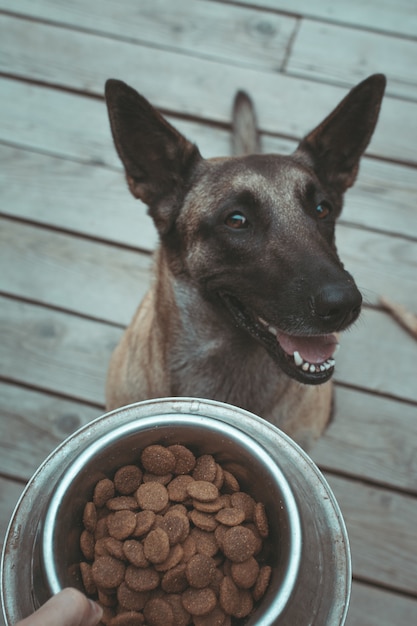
311 577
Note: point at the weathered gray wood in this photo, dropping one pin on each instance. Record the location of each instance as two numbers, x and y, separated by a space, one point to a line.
32 424
108 283
378 355
233 34
61 352
382 533
386 15
354 55
94 200
55 351
375 607
371 437
10 492
86 277
191 85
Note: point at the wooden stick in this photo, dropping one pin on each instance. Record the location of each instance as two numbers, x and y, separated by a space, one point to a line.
404 317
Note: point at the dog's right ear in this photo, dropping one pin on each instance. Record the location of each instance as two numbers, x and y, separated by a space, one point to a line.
158 160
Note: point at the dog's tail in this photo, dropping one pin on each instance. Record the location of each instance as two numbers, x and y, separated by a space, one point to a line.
245 134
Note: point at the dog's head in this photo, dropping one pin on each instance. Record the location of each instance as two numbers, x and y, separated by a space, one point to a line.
255 234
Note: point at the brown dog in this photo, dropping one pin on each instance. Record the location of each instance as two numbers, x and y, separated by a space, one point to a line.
249 290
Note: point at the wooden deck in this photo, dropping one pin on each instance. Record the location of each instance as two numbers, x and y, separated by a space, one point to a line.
75 247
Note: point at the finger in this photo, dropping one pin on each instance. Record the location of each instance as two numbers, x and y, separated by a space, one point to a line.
68 608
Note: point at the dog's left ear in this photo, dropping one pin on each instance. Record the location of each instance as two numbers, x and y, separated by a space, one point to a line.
158 160
336 145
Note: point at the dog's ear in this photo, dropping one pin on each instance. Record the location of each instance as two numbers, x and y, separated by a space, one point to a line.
336 145
158 160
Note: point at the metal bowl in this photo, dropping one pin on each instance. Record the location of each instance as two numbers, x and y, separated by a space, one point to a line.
311 578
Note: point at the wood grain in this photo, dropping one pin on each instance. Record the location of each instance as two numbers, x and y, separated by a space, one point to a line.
83 62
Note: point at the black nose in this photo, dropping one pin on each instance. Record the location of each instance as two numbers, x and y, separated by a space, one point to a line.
337 304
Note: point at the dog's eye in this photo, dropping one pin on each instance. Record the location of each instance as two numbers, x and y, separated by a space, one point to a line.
236 220
323 210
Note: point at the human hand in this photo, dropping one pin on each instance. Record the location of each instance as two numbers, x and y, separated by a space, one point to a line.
67 608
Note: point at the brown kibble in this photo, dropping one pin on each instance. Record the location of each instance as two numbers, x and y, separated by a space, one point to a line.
177 488
152 497
231 484
262 582
205 542
103 491
184 459
174 558
205 468
175 580
87 545
261 520
239 543
199 601
189 548
130 618
139 579
211 507
244 501
144 522
131 600
203 491
200 571
176 526
121 524
122 503
107 598
163 479
101 529
245 604
215 618
114 547
219 478
158 612
158 460
90 517
108 572
181 616
87 578
229 596
230 516
205 521
134 552
127 479
156 546
245 574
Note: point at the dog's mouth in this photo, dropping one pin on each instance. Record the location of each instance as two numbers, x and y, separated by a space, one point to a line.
308 359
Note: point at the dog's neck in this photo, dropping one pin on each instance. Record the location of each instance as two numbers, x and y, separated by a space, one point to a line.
207 356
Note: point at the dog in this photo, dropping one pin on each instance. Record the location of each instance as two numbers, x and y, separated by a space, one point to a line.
249 293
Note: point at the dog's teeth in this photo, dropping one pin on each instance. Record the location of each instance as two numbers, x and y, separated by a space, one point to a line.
322 368
312 368
297 358
331 362
263 322
305 366
273 330
336 349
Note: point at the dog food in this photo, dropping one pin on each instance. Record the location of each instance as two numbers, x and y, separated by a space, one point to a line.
173 541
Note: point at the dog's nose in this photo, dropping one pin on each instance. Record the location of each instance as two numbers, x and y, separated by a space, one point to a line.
338 305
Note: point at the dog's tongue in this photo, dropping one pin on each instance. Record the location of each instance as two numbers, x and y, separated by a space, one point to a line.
312 349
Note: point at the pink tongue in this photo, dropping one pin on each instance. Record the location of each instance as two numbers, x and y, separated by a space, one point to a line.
312 349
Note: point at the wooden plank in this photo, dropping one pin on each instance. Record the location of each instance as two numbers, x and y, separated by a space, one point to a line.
234 34
191 86
355 55
392 16
371 437
82 276
82 197
10 492
106 282
382 533
42 421
376 354
376 607
55 351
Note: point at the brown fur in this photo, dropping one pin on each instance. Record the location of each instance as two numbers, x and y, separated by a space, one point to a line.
198 331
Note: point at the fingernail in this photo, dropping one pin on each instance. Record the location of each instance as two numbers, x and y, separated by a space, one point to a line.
96 610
